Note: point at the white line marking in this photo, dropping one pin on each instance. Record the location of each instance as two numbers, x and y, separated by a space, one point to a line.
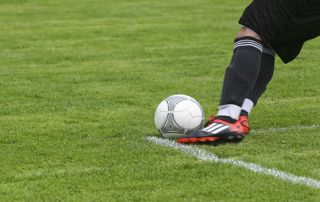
207 156
284 129
290 100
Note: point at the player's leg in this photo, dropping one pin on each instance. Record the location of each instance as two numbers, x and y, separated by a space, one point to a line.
265 76
245 32
262 21
241 76
286 41
245 41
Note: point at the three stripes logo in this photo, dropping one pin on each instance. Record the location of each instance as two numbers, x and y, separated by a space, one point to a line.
215 128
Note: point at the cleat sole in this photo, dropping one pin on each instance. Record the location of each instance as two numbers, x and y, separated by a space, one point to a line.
197 140
194 140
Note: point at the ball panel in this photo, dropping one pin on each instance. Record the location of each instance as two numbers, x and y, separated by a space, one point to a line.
161 114
170 126
195 109
182 106
160 119
195 123
182 118
163 107
174 99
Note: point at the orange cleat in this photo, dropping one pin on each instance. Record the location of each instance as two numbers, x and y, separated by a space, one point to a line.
218 130
242 119
245 124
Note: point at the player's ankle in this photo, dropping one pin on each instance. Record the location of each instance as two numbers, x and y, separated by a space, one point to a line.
246 107
244 113
229 110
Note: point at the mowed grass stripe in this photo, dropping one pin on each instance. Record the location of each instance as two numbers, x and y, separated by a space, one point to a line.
80 81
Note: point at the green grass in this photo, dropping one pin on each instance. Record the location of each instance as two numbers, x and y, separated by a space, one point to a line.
80 81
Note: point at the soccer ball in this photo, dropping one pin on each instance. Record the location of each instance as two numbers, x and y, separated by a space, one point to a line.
178 115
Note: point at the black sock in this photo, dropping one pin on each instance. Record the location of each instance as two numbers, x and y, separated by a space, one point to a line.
243 71
265 75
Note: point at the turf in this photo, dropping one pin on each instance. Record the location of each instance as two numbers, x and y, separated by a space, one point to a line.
80 81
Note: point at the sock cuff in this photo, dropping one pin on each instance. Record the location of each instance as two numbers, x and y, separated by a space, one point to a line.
229 110
248 42
247 105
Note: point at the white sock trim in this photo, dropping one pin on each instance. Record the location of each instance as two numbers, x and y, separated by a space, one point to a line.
230 110
269 51
248 42
247 105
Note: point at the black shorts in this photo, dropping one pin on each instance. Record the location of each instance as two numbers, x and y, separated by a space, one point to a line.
284 24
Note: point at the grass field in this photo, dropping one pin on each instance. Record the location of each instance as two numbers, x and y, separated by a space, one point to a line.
80 81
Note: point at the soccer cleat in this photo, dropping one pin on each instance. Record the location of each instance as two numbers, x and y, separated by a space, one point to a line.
218 130
244 124
242 119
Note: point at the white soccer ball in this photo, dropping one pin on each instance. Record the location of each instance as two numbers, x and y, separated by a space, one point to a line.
178 115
